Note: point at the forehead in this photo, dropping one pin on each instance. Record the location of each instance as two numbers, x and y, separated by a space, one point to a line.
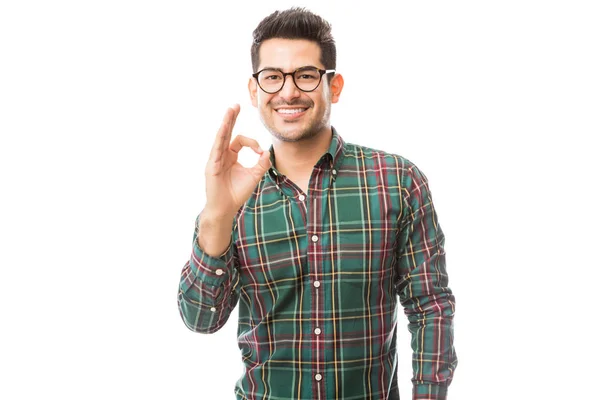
289 54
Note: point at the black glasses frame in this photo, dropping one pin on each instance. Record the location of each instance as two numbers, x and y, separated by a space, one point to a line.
285 74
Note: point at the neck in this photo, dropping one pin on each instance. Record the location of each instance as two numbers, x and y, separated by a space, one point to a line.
297 159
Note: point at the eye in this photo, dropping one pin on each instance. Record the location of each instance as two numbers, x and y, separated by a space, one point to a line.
307 75
270 76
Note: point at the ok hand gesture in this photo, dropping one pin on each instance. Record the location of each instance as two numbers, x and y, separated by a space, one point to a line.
228 183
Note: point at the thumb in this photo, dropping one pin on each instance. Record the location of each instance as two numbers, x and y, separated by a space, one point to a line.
263 164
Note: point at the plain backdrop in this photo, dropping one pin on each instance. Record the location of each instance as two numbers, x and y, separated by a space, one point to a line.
107 113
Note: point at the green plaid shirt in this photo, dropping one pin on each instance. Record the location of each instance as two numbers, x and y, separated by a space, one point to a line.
318 278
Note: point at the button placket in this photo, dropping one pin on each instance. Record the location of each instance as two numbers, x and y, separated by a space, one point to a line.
314 236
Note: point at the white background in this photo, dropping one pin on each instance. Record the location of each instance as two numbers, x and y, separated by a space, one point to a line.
108 110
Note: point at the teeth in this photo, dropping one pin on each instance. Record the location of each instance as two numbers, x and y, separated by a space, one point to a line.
290 111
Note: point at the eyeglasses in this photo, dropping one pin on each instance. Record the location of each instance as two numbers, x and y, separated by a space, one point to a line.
306 79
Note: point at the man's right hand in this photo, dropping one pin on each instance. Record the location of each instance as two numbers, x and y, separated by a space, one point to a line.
228 183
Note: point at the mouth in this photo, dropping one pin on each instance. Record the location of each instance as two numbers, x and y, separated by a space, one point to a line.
291 113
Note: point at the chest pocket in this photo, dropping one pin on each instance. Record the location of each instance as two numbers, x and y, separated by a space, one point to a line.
270 250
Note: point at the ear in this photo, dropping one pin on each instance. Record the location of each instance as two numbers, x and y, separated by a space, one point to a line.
336 84
252 89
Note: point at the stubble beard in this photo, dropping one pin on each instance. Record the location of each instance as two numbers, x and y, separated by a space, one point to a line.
315 127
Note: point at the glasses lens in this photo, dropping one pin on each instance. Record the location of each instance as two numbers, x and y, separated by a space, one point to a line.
270 80
307 79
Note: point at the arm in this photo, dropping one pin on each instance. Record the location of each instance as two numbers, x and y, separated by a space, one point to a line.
207 292
208 281
423 289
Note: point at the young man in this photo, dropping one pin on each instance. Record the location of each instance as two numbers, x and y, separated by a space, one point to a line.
317 241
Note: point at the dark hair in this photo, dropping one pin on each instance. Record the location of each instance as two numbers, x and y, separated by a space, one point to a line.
295 23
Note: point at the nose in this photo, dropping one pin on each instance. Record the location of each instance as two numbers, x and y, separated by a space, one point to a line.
289 89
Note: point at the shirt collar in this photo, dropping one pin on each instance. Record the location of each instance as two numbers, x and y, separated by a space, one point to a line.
335 154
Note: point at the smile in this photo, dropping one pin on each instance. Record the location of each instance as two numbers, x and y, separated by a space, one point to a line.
291 111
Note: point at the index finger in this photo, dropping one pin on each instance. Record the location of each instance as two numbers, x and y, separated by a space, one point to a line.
224 133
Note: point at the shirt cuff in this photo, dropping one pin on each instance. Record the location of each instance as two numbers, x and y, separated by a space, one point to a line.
429 392
209 270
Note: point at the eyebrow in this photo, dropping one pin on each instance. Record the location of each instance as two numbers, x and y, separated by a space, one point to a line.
281 70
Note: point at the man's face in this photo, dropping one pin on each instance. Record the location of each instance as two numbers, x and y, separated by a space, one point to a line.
291 114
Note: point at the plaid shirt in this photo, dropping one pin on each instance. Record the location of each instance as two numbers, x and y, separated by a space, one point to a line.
318 278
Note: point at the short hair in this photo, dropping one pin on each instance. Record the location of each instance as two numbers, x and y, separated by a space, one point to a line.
295 23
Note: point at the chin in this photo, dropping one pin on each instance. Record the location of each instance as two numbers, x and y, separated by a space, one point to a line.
288 135
295 134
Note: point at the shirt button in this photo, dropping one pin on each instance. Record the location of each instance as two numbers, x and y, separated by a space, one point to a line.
301 197
317 283
317 331
219 271
318 377
315 238
213 309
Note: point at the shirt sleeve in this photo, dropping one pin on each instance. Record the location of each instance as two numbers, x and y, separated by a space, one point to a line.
207 288
422 286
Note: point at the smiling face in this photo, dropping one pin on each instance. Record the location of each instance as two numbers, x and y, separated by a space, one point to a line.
292 115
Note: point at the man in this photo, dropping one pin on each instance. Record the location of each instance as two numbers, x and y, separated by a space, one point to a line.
316 241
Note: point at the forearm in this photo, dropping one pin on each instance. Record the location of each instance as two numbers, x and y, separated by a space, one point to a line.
429 306
423 289
213 233
205 309
207 292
